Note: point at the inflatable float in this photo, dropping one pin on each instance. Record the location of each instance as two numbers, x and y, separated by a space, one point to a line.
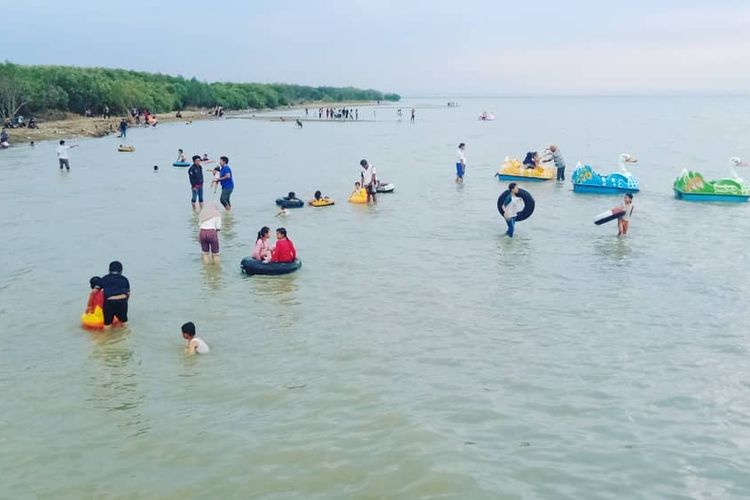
252 267
95 320
587 180
609 216
359 197
385 187
290 203
323 202
181 164
514 170
528 204
486 117
691 186
125 149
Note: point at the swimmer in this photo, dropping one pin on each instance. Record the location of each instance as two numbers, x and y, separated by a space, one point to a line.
624 222
181 156
156 168
195 345
283 212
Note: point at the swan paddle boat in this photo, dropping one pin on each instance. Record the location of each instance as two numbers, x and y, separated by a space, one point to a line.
588 180
691 186
486 117
514 170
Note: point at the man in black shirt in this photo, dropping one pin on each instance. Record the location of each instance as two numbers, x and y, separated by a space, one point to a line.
195 174
116 288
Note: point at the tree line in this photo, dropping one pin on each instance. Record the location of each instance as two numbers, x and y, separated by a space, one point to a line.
39 89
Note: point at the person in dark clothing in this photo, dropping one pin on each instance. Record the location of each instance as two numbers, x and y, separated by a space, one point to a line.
195 174
123 128
116 288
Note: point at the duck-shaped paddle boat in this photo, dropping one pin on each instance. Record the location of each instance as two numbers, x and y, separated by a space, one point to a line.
691 186
587 180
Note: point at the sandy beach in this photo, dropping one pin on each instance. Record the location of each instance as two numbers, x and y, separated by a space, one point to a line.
74 125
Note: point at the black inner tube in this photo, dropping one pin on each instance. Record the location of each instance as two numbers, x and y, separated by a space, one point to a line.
528 202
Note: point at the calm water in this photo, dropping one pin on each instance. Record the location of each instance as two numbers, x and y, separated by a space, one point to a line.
419 352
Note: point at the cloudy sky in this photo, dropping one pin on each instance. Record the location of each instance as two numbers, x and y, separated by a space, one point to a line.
414 47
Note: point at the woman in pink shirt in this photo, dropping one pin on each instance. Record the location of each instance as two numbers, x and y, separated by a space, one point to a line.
262 250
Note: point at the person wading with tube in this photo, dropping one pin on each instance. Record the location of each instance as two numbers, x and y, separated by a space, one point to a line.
369 180
513 205
195 174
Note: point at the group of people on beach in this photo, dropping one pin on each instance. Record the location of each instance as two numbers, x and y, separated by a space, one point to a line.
337 113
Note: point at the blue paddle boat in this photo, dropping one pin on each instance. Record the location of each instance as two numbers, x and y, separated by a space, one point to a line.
587 180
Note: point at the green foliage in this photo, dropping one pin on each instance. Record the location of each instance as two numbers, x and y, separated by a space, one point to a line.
67 88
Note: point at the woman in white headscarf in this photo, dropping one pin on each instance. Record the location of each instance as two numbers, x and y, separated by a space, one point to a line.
210 225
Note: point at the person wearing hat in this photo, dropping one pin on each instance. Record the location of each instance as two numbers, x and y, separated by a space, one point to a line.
369 180
553 154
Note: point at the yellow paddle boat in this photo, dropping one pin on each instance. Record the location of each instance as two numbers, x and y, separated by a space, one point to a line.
514 170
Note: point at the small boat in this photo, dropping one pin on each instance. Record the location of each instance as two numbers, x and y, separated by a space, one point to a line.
514 170
125 149
486 117
252 267
384 187
587 180
691 186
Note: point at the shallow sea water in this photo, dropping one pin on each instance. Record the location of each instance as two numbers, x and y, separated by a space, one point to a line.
418 353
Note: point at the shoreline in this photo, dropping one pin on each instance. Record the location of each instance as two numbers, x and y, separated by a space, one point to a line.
77 126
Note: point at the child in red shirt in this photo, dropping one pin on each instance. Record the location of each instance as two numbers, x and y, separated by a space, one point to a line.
96 297
284 250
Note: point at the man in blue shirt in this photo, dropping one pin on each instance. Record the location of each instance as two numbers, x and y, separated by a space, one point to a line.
227 182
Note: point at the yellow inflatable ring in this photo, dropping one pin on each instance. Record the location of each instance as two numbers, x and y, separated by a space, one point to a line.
359 197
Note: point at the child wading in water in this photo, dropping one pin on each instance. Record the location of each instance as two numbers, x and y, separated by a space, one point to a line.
624 221
195 345
96 297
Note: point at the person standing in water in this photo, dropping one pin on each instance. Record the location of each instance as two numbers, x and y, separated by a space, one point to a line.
209 220
460 164
413 114
195 175
123 128
227 182
116 289
624 222
369 180
555 156
513 205
62 155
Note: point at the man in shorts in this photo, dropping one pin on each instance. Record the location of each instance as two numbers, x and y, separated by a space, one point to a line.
62 155
116 288
227 183
369 180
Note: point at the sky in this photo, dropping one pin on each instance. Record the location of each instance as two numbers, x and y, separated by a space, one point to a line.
412 47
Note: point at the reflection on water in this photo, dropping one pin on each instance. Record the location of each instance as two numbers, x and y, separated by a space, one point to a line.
211 276
113 380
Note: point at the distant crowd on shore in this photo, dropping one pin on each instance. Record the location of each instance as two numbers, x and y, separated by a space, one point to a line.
335 113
